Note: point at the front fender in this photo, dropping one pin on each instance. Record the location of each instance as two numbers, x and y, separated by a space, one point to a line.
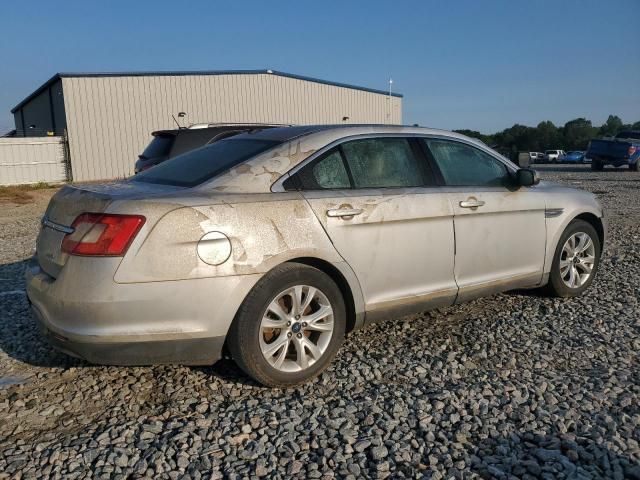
557 225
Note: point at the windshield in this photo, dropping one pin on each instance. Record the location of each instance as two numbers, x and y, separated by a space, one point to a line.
159 147
198 166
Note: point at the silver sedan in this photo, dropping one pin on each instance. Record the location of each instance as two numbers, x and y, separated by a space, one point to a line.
270 246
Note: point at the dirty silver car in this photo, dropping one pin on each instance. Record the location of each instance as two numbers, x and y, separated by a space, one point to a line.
270 246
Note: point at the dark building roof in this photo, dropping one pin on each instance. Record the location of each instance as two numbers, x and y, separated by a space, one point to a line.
58 76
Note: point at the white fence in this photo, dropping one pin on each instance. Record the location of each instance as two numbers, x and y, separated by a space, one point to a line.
32 160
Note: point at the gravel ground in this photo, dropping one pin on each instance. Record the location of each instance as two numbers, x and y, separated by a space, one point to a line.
512 386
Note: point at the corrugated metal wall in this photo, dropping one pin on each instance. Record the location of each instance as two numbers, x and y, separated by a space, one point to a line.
31 160
109 119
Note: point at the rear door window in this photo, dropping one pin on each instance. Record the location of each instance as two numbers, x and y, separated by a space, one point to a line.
198 166
383 163
367 163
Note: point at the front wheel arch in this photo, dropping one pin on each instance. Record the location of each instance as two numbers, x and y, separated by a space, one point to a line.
556 285
595 222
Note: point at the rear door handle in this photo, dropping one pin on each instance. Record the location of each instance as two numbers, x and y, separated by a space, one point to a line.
471 203
343 212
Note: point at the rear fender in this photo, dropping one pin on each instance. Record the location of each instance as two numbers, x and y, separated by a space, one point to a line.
262 234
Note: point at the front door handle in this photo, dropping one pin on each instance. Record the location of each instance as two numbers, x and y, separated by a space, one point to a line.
471 203
343 212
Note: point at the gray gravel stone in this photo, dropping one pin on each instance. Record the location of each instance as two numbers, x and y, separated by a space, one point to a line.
512 386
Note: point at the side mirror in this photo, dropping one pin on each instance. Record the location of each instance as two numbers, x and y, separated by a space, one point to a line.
525 177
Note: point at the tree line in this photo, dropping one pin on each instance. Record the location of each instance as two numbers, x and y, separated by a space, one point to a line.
574 135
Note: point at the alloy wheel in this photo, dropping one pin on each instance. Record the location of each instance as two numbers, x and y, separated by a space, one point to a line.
577 260
296 328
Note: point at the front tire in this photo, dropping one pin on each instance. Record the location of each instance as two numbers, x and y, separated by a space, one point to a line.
575 260
635 167
289 327
596 166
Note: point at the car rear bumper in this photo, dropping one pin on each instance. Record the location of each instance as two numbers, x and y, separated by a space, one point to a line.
187 351
101 321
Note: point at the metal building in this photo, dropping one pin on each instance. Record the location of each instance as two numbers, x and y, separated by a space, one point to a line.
108 117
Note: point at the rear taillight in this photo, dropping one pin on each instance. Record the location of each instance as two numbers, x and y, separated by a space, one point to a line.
632 150
102 234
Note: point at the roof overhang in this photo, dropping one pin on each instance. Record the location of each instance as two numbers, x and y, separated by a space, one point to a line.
58 76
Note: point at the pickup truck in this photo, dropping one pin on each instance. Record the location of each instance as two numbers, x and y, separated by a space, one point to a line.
624 149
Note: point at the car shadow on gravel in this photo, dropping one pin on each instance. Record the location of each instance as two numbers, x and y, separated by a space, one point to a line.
21 340
529 292
20 337
227 371
550 455
564 168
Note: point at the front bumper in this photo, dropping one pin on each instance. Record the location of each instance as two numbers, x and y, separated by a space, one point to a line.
101 321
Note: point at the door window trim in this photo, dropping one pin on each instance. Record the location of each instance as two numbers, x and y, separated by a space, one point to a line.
425 158
510 167
425 167
295 181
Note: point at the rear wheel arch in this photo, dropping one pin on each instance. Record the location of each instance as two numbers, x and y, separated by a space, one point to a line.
245 338
340 280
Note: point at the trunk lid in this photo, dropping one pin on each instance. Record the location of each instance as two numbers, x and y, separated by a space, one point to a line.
71 201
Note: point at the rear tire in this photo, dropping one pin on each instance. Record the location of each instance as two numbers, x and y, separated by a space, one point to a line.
635 167
568 277
280 344
596 166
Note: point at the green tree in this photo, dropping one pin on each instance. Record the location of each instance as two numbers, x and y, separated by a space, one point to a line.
549 137
474 134
612 126
577 134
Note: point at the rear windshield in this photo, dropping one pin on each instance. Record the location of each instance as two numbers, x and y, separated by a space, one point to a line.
634 135
191 139
159 147
198 166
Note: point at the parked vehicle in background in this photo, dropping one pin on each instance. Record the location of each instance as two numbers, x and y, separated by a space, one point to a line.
272 244
572 157
623 149
552 156
535 157
167 144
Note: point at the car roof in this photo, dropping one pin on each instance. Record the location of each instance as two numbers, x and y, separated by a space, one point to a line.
200 126
212 127
287 134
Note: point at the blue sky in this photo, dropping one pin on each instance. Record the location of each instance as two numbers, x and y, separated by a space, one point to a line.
483 65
